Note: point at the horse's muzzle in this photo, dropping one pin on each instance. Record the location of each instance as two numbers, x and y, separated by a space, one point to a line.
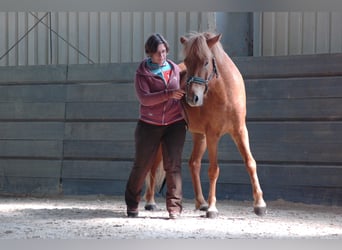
194 100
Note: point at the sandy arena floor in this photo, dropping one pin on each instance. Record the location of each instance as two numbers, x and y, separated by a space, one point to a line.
102 217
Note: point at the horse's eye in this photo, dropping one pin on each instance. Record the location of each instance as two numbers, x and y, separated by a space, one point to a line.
206 64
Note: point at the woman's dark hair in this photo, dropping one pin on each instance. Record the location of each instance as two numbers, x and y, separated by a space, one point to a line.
153 42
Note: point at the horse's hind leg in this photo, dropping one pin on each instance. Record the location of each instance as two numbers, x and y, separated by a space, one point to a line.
199 147
241 139
151 182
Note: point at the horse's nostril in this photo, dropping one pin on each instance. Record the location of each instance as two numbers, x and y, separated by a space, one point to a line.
196 99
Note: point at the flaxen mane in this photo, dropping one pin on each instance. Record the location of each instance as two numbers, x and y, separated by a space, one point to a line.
197 45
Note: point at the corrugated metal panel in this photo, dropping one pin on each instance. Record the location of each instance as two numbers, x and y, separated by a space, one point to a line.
90 37
296 33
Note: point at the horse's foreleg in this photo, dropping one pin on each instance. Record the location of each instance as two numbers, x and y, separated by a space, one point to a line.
199 147
151 182
242 141
213 174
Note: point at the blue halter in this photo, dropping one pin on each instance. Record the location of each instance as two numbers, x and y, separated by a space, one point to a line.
202 81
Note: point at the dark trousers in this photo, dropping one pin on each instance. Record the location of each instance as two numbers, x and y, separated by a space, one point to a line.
148 137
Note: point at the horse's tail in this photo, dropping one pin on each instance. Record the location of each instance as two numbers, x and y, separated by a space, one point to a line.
154 180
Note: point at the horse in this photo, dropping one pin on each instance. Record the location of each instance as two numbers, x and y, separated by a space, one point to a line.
215 105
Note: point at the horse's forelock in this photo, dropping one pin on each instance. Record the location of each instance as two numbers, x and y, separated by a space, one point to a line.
197 47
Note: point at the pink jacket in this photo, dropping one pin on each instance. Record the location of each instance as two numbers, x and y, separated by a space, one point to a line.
155 105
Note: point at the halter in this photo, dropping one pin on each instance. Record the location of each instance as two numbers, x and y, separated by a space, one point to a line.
202 81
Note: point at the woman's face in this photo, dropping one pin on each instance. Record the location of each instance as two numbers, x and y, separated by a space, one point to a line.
159 56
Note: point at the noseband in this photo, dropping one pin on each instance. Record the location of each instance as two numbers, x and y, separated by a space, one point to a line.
202 81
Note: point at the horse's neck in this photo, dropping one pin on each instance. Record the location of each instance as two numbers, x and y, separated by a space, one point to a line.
228 75
217 89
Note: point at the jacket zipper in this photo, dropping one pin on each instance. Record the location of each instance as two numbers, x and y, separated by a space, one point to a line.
164 106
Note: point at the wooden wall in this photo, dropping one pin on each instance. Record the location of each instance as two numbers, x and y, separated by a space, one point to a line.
68 130
69 37
297 33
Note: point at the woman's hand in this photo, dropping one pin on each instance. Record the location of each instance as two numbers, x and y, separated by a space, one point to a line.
176 94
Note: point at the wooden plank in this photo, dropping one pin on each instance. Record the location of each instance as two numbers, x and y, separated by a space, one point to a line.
62 30
336 19
126 36
251 67
225 190
102 150
270 141
120 131
101 92
108 187
263 67
323 32
31 168
269 174
295 34
268 44
281 174
233 191
102 170
298 98
102 131
295 132
274 174
104 32
114 34
11 111
106 111
106 150
32 130
93 187
281 38
29 177
281 153
33 74
325 109
113 72
309 195
43 149
274 141
308 36
307 153
33 186
301 175
36 93
290 66
294 88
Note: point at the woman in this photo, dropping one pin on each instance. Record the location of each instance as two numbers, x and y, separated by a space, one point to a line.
157 85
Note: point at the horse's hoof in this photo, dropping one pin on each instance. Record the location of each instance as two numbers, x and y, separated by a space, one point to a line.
212 214
151 207
260 211
203 207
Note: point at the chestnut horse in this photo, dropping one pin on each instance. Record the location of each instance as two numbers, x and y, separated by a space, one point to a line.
215 105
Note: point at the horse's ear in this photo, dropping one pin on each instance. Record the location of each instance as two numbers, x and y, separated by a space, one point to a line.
183 39
213 40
